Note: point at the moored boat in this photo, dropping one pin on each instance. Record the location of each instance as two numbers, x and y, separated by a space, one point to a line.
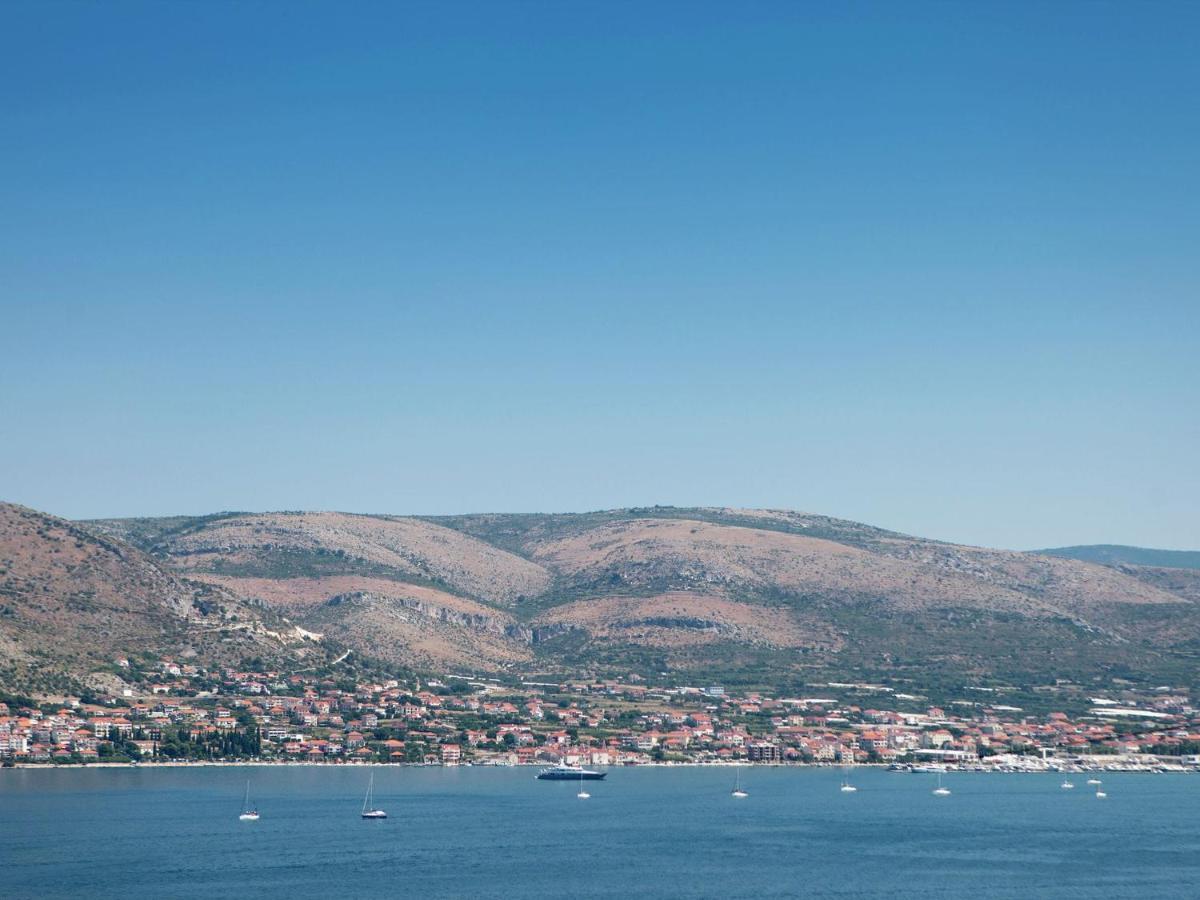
563 772
737 785
369 811
249 814
940 791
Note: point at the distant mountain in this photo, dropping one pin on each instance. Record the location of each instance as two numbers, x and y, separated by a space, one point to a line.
73 599
1117 554
770 597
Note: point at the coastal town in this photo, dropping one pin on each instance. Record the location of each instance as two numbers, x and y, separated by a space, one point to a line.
183 714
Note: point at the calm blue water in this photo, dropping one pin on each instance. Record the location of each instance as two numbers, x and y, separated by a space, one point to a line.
645 833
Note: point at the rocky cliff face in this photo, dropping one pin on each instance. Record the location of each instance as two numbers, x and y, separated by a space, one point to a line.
410 630
485 622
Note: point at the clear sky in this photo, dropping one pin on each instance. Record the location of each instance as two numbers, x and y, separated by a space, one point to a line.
930 266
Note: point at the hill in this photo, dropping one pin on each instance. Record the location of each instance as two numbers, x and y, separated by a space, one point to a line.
73 599
321 544
770 597
1117 554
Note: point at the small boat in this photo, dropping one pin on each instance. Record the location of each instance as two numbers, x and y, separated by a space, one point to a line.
1067 785
737 791
582 795
940 791
369 811
248 814
1100 795
847 787
1094 781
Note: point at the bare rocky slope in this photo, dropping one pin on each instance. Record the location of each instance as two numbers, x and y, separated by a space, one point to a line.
768 596
73 599
322 543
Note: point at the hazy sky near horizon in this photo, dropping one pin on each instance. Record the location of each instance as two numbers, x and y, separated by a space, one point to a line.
932 266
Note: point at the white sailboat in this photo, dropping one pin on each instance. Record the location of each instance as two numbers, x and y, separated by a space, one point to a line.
940 791
1100 795
1094 781
1067 785
368 811
582 795
847 787
248 814
737 784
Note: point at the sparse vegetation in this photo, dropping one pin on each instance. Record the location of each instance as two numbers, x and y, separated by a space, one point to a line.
746 597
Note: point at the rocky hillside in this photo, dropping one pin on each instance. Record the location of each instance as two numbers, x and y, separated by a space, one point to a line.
72 599
766 596
319 544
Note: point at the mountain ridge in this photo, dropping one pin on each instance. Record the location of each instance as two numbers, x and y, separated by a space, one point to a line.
770 596
750 597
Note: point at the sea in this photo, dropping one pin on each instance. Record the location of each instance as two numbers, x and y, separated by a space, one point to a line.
644 832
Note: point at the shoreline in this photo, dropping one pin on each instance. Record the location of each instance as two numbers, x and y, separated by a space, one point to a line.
1074 769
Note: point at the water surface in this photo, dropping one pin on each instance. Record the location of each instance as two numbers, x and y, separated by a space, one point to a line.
655 832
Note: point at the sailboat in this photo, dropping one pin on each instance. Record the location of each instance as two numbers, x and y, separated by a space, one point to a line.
1100 795
248 814
1067 785
737 785
368 811
847 787
1094 781
582 795
940 791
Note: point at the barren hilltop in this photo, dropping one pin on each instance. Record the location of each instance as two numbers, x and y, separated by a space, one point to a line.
767 597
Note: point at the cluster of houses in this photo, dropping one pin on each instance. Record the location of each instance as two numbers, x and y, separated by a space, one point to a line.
301 718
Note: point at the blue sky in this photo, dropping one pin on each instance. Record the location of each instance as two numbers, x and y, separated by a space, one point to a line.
930 266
